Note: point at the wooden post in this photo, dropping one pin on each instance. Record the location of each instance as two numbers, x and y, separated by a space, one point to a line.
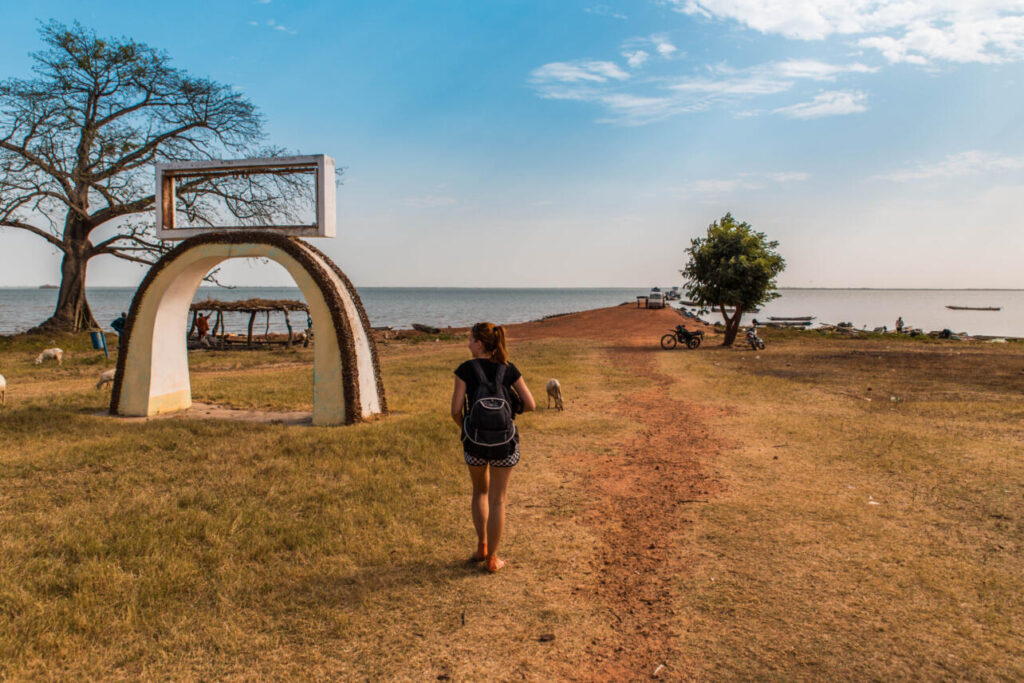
252 319
266 331
288 324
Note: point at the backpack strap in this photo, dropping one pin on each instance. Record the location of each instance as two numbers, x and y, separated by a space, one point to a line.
500 375
478 369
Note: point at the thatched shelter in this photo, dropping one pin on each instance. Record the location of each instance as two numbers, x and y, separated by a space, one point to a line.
251 307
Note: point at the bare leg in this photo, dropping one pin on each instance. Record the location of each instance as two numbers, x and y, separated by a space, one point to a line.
478 473
496 515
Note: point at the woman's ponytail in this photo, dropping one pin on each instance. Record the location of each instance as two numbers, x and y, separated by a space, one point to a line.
493 338
500 353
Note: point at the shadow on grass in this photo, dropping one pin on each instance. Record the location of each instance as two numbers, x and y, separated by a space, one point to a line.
353 589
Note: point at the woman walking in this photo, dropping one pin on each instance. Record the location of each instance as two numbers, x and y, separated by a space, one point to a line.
480 385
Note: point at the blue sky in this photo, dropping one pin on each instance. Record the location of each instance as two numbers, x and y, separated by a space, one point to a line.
580 143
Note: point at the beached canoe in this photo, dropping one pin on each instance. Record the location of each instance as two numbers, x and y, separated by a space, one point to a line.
804 318
975 308
786 324
709 307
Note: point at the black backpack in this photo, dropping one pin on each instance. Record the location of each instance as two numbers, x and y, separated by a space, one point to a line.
488 426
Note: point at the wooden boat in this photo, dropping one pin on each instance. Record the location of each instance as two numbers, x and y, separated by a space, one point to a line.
419 327
975 308
714 309
780 324
805 318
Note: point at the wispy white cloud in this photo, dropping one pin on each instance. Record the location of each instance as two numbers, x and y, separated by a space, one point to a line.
636 110
578 71
750 84
274 26
635 58
714 187
603 11
635 101
830 103
914 31
766 79
663 46
656 43
788 176
818 70
970 163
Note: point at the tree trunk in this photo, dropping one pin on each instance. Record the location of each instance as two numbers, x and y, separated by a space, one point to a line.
732 325
72 313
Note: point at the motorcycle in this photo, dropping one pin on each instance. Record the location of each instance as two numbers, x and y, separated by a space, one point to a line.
755 341
680 335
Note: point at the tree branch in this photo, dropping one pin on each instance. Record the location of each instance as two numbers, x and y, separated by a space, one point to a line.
33 229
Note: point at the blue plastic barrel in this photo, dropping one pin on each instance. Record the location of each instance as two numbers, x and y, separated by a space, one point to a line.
99 342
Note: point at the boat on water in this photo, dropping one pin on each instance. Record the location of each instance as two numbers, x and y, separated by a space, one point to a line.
975 308
795 319
48 287
715 309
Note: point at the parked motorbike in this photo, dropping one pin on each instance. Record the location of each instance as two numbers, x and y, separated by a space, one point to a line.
755 341
680 335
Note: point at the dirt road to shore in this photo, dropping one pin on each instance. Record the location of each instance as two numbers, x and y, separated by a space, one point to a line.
640 493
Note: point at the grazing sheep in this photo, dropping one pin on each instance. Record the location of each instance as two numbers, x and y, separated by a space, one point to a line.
555 392
3 389
106 378
51 354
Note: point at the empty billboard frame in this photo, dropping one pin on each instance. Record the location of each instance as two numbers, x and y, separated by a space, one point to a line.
170 177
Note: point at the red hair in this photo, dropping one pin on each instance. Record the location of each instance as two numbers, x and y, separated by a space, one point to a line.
493 338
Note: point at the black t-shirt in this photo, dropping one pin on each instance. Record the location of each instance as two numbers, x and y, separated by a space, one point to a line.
466 373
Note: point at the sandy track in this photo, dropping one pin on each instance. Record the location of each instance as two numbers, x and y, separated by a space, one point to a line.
643 494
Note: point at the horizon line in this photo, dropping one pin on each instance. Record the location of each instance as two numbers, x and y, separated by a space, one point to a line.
644 287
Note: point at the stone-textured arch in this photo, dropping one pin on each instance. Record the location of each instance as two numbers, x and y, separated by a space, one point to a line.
152 366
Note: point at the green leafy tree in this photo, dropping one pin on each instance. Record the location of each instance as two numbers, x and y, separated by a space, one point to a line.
78 142
732 266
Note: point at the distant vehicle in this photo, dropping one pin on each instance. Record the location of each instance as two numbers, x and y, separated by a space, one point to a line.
655 300
674 294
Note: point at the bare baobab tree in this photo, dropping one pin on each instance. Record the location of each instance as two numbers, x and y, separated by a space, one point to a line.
78 142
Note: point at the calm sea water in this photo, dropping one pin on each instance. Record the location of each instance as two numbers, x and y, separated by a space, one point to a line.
20 309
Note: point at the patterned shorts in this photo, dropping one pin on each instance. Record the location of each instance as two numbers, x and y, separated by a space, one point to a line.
509 461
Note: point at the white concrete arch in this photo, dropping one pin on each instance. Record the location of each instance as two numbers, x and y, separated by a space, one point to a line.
152 373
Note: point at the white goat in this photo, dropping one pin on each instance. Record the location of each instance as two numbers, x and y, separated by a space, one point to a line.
555 392
106 378
51 354
3 389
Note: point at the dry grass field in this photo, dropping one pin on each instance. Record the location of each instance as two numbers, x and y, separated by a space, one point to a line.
870 521
845 508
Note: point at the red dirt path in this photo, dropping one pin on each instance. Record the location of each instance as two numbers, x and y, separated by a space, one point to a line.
643 494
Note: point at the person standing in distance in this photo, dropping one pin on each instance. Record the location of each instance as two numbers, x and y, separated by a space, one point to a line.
490 467
118 326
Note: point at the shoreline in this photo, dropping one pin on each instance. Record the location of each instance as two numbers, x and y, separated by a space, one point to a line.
400 308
